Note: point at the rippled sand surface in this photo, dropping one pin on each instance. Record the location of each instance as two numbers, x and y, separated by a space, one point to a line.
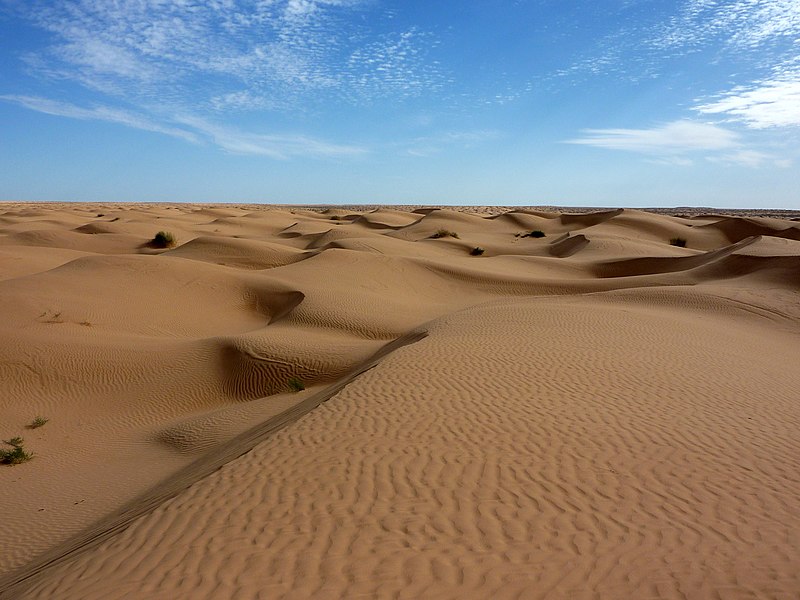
590 411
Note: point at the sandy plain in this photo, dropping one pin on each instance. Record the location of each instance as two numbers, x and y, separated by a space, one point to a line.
595 413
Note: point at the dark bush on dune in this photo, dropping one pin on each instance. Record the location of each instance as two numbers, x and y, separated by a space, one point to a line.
536 233
16 455
163 239
442 233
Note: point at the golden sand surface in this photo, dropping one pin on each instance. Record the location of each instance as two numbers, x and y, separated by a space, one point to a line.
591 412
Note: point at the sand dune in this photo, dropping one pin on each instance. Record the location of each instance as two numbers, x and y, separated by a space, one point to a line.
667 264
589 413
240 253
738 228
567 245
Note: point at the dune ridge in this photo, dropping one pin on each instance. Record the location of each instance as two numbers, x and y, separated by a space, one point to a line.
593 413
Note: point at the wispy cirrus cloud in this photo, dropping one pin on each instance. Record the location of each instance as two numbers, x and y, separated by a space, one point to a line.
755 35
680 142
181 68
197 130
740 24
98 113
434 144
758 38
678 137
750 158
396 65
766 32
277 50
235 141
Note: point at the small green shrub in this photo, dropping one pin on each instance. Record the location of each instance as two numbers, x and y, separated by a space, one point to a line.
163 239
296 385
38 421
442 233
477 251
680 242
16 455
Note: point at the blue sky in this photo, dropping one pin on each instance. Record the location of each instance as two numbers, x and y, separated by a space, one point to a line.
614 103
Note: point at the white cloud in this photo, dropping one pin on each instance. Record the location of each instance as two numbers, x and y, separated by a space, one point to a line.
773 102
677 137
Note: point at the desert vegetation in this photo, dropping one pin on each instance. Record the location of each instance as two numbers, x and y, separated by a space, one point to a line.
536 233
443 233
163 239
296 385
37 422
16 454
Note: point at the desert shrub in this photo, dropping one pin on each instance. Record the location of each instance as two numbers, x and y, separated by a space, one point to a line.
38 421
163 239
680 242
16 454
296 385
536 234
476 251
442 233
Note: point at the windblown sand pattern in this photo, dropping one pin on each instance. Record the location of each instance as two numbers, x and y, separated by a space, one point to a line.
594 413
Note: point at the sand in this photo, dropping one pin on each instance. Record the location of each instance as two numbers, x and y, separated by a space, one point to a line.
595 413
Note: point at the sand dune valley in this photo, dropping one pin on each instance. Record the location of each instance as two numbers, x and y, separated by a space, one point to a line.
395 403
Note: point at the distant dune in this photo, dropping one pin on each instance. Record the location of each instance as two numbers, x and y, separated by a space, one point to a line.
384 402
